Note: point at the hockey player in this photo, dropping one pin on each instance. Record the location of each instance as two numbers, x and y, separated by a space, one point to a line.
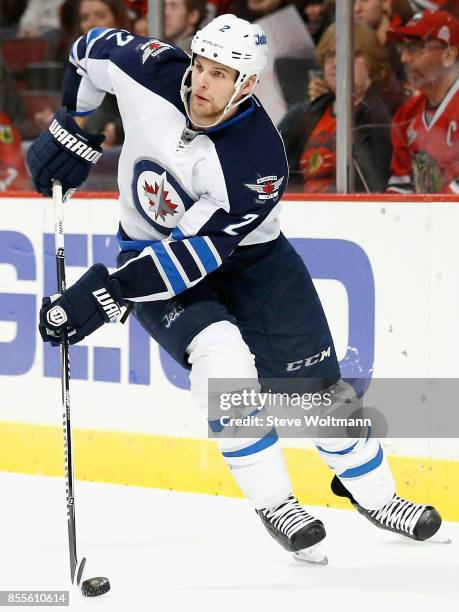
203 261
425 130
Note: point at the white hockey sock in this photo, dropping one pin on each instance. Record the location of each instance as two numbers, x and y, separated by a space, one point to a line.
262 476
362 467
257 464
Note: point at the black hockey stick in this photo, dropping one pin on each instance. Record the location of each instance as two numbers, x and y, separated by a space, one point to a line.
65 381
93 586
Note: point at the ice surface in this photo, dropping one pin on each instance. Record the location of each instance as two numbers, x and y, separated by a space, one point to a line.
164 550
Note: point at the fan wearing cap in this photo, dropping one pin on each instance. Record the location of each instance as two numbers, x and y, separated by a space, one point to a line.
425 130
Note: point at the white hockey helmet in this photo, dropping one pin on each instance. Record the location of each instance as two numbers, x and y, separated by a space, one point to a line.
235 43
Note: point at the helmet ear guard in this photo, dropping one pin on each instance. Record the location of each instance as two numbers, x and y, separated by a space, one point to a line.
235 43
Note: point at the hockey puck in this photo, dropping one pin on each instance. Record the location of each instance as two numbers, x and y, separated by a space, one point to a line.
95 586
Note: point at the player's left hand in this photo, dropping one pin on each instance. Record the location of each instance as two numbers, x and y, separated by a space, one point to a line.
93 300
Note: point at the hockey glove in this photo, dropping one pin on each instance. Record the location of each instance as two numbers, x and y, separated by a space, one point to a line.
93 300
64 152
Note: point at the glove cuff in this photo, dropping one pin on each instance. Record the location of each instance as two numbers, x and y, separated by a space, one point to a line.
104 290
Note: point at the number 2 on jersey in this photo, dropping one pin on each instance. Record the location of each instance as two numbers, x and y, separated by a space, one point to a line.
229 229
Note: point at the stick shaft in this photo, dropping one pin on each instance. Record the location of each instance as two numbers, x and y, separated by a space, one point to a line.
65 379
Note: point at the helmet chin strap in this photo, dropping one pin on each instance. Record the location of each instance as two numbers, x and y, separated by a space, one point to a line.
186 89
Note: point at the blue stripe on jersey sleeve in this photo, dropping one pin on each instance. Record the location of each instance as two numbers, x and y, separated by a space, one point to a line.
94 33
82 113
186 260
177 234
174 276
204 253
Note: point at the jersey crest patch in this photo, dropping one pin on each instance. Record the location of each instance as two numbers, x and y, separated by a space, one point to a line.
153 48
158 196
159 200
266 187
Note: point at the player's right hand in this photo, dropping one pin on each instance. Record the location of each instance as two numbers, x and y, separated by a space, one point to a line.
64 152
93 300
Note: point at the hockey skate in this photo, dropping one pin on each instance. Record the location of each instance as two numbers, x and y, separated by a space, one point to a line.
415 521
296 530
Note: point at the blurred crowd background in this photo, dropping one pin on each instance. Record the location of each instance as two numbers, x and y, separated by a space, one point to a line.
398 80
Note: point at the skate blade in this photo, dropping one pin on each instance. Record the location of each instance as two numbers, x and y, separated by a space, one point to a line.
314 555
438 538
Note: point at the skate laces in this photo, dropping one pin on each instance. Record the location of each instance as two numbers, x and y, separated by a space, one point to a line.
399 513
289 517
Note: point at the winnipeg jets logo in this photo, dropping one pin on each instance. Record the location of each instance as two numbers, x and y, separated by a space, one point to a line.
266 187
158 196
153 48
158 199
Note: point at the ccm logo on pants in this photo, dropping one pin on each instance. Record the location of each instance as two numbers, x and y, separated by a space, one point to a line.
309 361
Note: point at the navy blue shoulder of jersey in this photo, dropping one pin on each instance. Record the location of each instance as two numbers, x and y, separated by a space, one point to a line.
154 64
253 160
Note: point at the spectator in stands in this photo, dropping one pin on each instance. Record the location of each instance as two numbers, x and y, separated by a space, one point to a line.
251 9
11 103
10 14
431 5
452 6
380 15
40 17
95 14
425 130
136 9
141 27
309 130
314 16
182 18
101 14
374 13
13 173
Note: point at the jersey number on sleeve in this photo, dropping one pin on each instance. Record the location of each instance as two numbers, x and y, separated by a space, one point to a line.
230 228
120 41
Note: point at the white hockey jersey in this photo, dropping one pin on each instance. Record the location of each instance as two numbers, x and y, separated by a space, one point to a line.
190 198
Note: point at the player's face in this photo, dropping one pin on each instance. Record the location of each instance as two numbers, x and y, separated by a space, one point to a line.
212 86
424 61
95 14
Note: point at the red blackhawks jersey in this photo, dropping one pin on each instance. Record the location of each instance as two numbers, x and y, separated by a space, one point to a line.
426 146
